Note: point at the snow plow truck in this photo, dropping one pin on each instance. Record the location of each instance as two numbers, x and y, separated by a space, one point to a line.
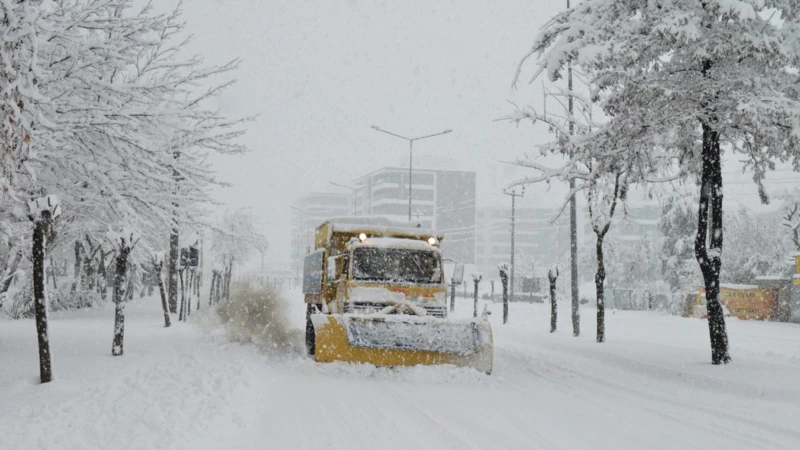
375 293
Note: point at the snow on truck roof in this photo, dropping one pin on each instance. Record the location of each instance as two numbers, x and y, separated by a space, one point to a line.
371 220
405 244
379 224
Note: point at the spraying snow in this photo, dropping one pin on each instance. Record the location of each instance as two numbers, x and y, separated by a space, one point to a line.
257 314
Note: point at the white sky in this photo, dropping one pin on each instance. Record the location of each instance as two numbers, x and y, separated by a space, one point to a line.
319 73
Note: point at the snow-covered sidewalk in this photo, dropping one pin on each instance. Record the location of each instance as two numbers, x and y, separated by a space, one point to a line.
650 386
170 383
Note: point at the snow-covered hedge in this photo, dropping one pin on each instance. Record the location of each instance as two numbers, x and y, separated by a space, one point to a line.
61 299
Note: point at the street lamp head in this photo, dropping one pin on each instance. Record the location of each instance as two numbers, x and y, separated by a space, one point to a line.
375 127
447 131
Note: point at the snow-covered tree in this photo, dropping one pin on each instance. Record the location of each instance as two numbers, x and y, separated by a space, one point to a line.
98 98
20 76
120 114
791 215
603 195
678 224
635 264
687 78
42 212
125 241
756 247
236 239
157 263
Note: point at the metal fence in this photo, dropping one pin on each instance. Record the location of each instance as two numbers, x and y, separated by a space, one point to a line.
637 300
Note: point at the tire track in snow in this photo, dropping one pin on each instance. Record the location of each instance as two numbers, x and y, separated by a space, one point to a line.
717 395
567 402
428 415
688 417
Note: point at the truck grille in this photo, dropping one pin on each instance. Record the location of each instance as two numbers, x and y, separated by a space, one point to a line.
374 307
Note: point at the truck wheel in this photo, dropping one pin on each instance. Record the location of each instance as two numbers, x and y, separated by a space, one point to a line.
310 336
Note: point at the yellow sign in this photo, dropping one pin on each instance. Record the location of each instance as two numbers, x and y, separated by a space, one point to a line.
748 303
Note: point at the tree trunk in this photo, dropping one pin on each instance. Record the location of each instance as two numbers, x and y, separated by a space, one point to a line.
76 281
157 270
710 258
226 281
182 310
475 301
189 290
131 287
213 284
172 271
53 274
143 285
219 287
228 277
40 299
88 278
553 277
599 279
102 281
120 282
504 282
197 289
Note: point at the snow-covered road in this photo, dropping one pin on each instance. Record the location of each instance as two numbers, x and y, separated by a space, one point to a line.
650 386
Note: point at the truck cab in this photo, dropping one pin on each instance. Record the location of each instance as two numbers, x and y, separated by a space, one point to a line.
373 266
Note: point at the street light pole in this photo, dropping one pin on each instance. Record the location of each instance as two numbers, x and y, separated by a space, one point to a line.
410 156
573 220
514 195
410 175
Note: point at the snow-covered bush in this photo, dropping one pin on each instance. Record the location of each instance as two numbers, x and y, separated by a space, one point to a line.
21 305
61 299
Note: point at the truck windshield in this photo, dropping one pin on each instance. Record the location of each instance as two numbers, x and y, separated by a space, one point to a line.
396 265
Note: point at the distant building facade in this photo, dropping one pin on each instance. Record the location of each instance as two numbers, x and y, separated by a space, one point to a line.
541 238
307 214
441 199
640 220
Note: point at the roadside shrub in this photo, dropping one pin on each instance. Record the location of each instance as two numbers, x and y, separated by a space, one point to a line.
62 299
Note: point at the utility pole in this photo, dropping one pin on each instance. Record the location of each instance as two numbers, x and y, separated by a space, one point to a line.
514 195
573 220
410 155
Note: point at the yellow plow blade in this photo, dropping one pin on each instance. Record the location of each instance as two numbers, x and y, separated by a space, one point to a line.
402 340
